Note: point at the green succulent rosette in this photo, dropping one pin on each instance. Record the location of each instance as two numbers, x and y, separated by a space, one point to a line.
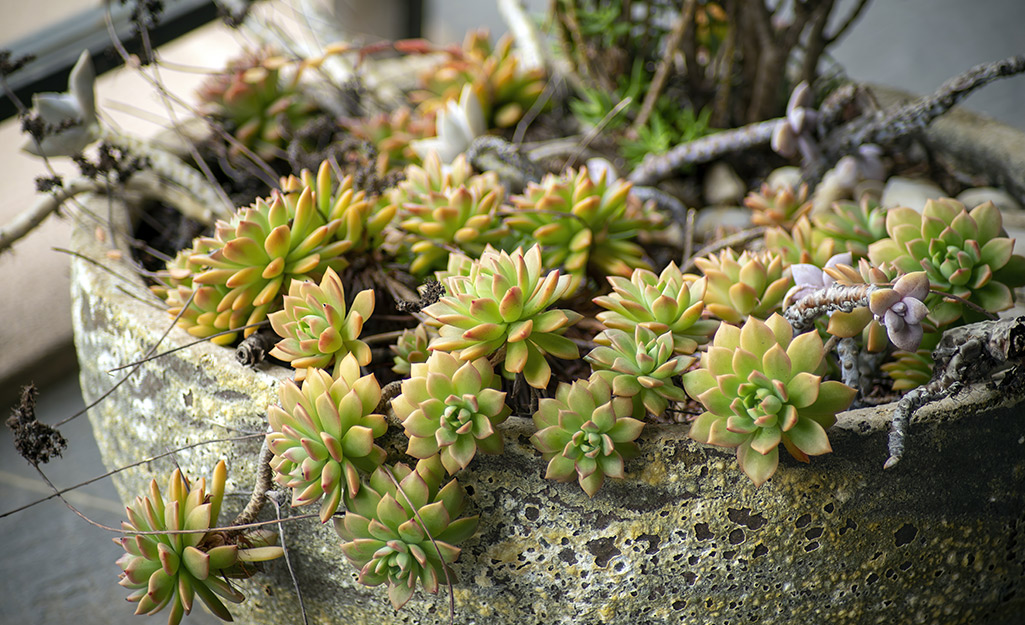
802 243
391 134
171 570
760 386
463 218
322 435
964 253
668 302
411 348
780 206
317 328
361 221
852 226
583 224
404 531
749 284
639 365
451 407
585 433
503 303
252 257
506 91
261 107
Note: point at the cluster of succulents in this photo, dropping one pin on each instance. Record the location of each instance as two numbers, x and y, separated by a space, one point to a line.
964 253
506 91
402 527
261 106
760 386
169 570
584 223
411 348
322 435
503 303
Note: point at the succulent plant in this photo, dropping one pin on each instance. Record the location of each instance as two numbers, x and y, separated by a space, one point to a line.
170 570
803 243
405 533
585 432
901 309
749 284
450 407
463 217
963 253
780 206
411 348
909 370
668 302
361 221
317 328
640 366
502 304
761 385
262 107
583 223
251 258
391 134
323 435
852 226
505 90
456 126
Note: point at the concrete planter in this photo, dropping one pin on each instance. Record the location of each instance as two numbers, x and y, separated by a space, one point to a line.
686 538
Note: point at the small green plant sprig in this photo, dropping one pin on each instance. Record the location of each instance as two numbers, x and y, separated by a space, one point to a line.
403 527
583 224
322 435
170 570
585 433
502 304
317 328
668 302
451 407
641 366
964 253
760 385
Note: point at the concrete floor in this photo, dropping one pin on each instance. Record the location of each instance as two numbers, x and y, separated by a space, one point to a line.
60 569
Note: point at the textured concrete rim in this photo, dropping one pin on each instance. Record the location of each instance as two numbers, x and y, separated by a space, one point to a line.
533 531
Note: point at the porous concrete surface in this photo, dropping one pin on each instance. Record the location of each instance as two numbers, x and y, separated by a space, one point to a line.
685 538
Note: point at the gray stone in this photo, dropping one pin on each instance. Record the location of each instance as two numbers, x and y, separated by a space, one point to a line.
978 195
723 185
913 193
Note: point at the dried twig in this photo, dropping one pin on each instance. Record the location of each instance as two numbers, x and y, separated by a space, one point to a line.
658 82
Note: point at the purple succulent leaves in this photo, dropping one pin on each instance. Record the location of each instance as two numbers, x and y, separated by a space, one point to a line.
902 309
808 278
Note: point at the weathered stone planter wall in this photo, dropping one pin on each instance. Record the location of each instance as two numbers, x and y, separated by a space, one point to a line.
685 538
